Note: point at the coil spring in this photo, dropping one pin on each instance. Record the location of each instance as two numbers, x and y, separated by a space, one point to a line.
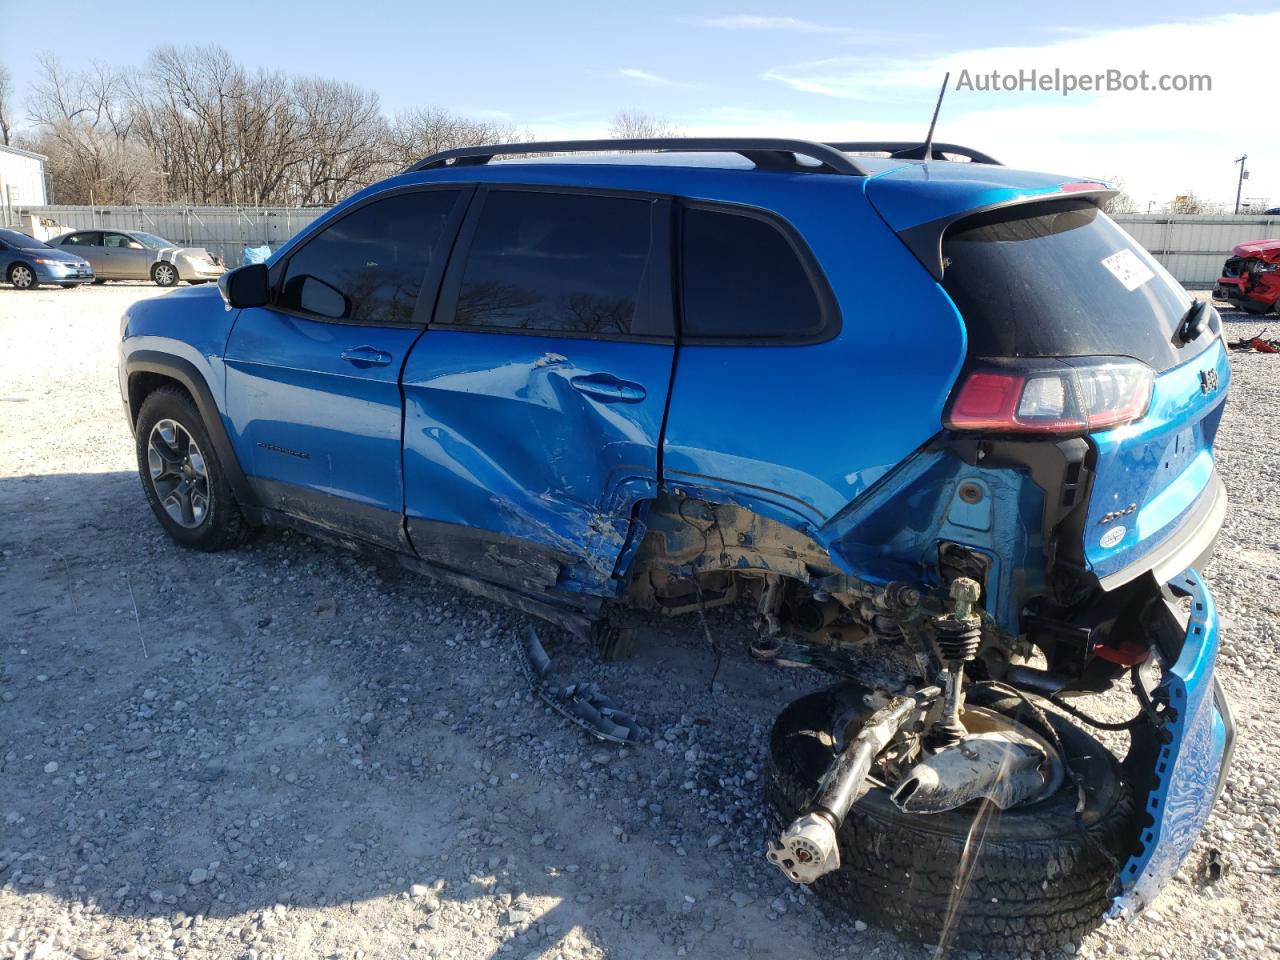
958 640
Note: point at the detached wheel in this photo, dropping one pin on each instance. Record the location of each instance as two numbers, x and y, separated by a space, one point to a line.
182 476
23 277
1026 879
164 274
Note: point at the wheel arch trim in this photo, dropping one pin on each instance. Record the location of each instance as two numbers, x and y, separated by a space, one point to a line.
185 374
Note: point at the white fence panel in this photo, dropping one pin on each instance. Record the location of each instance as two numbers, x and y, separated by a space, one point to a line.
222 230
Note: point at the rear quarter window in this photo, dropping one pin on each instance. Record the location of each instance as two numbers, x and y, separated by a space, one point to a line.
744 278
1059 278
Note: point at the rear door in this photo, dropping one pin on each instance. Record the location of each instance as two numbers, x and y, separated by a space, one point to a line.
1060 279
534 403
88 244
313 390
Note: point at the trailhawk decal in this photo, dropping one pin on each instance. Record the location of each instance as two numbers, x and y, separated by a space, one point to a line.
1128 269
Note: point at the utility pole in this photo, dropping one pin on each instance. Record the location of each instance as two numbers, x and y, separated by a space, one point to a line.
1244 175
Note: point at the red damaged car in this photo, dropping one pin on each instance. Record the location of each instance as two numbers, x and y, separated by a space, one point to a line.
1251 277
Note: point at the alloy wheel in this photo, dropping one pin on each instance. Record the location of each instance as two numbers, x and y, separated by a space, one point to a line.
21 277
178 473
165 275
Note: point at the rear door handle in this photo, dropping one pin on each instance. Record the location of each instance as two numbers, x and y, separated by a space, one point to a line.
608 389
366 357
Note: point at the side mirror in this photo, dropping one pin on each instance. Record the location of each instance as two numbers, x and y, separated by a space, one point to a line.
246 286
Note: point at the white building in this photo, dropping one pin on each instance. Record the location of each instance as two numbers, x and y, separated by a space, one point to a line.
22 182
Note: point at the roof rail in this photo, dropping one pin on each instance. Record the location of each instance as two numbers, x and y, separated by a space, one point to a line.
911 150
767 153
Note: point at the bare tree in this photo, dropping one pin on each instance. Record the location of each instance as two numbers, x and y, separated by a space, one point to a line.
1122 202
419 133
6 110
638 125
83 123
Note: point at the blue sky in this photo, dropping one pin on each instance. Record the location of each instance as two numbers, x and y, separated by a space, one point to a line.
823 70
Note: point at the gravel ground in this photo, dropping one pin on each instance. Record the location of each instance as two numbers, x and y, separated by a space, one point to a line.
288 751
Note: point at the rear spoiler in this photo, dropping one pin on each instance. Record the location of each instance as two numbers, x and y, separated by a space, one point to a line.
925 240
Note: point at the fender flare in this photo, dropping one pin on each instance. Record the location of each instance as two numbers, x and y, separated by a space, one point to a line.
186 374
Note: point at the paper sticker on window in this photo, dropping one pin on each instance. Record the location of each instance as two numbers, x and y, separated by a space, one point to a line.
1128 269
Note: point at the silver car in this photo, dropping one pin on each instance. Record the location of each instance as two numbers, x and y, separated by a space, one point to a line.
136 255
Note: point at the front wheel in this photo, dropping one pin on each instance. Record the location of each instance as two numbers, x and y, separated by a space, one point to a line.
1022 880
23 277
182 476
164 274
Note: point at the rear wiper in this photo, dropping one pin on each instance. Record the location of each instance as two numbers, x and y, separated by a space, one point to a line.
1195 321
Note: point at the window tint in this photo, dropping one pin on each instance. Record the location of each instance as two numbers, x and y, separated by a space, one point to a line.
742 278
83 240
564 263
369 266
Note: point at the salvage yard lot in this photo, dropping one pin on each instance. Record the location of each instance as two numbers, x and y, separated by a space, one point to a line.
289 750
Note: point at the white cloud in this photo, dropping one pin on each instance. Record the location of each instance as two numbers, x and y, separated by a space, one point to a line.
1160 143
748 22
644 76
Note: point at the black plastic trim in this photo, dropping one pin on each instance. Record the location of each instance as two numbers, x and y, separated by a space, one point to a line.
381 527
185 373
914 150
767 153
925 239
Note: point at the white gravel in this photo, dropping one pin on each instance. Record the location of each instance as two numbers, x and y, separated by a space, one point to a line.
319 756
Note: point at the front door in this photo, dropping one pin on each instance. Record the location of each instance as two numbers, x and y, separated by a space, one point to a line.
534 403
313 381
125 258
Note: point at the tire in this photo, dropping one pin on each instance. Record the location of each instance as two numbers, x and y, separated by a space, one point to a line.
164 274
99 282
1039 878
211 520
23 277
1252 306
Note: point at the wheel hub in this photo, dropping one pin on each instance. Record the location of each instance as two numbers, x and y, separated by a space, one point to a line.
178 473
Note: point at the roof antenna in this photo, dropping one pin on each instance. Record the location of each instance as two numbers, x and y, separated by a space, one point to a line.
928 141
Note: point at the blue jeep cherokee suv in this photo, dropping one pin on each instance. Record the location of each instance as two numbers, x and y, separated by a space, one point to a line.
902 400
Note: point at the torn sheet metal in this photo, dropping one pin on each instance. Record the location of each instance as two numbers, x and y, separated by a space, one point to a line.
581 703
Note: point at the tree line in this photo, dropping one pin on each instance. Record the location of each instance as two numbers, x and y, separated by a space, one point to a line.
194 126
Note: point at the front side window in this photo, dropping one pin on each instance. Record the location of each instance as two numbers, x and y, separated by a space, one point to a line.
152 242
119 240
743 279
560 263
369 266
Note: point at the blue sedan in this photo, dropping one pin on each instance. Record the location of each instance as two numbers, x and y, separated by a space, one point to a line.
26 262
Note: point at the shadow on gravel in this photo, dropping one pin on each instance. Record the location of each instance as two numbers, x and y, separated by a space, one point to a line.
310 751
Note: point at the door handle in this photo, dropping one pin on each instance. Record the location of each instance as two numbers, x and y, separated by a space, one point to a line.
608 389
366 357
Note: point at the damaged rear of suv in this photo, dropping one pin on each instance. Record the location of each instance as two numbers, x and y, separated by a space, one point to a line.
977 493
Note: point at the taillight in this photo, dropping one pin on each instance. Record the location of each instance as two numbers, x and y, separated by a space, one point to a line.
1052 396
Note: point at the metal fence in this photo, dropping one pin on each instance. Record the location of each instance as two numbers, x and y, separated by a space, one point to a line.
222 230
1192 247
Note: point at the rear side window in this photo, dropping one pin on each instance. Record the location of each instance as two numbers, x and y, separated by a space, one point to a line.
369 266
83 240
743 279
1061 279
559 263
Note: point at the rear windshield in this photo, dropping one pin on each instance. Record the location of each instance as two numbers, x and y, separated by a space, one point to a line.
1061 279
